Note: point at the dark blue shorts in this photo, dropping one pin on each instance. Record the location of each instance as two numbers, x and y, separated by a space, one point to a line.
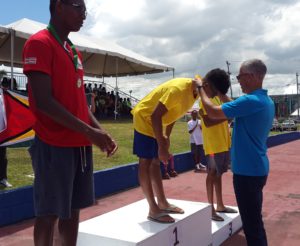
63 178
144 146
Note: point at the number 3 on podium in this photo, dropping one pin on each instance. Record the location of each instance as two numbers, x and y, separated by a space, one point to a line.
230 229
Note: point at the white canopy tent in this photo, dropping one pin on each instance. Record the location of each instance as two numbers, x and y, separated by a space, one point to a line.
100 58
296 112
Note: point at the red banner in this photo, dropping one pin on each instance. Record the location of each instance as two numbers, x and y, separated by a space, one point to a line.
19 119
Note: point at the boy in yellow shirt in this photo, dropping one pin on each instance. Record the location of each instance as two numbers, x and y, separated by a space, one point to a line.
216 142
153 120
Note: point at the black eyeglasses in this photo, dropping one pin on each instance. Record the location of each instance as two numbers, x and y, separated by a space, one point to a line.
78 7
238 77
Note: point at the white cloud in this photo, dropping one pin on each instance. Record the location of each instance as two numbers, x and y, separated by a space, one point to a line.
195 36
283 25
104 11
123 10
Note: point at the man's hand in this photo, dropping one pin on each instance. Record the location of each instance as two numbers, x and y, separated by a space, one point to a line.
113 149
103 141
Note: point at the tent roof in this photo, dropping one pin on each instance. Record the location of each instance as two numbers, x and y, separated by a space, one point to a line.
100 57
296 112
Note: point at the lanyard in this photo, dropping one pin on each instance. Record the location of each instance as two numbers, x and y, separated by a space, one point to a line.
74 51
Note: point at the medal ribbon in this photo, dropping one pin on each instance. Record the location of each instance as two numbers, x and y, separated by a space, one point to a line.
51 29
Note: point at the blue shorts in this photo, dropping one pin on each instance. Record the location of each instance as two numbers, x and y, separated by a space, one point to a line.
144 146
63 178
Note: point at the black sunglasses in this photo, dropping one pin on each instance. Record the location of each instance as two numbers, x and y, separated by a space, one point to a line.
78 7
238 77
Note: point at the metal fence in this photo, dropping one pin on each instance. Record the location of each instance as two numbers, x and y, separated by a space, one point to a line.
21 80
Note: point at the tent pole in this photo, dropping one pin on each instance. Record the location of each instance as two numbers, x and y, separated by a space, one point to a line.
12 46
116 89
298 102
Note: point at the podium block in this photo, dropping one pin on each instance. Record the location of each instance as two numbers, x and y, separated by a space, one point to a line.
225 229
128 226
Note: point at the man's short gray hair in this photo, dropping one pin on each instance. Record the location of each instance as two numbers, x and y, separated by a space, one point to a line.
255 66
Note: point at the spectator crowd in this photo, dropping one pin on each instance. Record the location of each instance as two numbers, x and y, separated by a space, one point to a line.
96 94
104 102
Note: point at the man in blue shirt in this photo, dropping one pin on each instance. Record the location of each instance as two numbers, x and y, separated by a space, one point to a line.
253 114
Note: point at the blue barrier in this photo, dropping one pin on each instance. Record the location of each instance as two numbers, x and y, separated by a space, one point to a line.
17 204
282 138
115 179
123 177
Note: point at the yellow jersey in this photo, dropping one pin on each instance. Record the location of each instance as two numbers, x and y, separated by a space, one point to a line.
216 139
176 95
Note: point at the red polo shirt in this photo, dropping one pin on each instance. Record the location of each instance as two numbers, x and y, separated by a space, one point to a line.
43 53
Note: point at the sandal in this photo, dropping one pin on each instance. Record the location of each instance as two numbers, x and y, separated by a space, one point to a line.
172 209
216 217
166 176
227 210
158 218
173 173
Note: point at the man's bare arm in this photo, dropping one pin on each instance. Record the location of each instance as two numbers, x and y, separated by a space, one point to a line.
41 87
208 122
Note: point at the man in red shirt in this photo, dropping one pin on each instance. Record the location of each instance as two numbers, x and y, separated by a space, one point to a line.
65 128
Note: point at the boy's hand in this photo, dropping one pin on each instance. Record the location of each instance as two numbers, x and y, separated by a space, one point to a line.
198 82
163 150
201 113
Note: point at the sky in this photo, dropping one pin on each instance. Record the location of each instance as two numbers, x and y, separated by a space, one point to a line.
194 36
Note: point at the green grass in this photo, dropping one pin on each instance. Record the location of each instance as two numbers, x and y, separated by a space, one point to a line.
19 163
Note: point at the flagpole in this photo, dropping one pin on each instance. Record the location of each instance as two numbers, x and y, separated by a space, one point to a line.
12 46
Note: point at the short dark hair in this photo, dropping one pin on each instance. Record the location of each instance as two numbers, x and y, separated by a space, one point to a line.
52 6
5 82
219 79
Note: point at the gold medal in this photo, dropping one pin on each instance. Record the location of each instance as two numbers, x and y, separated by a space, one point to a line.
79 82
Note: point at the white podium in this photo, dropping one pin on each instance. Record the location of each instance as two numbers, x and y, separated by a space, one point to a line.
225 229
128 226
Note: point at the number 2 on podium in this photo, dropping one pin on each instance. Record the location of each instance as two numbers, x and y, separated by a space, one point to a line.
176 237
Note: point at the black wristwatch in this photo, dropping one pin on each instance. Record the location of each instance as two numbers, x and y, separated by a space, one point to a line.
199 87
